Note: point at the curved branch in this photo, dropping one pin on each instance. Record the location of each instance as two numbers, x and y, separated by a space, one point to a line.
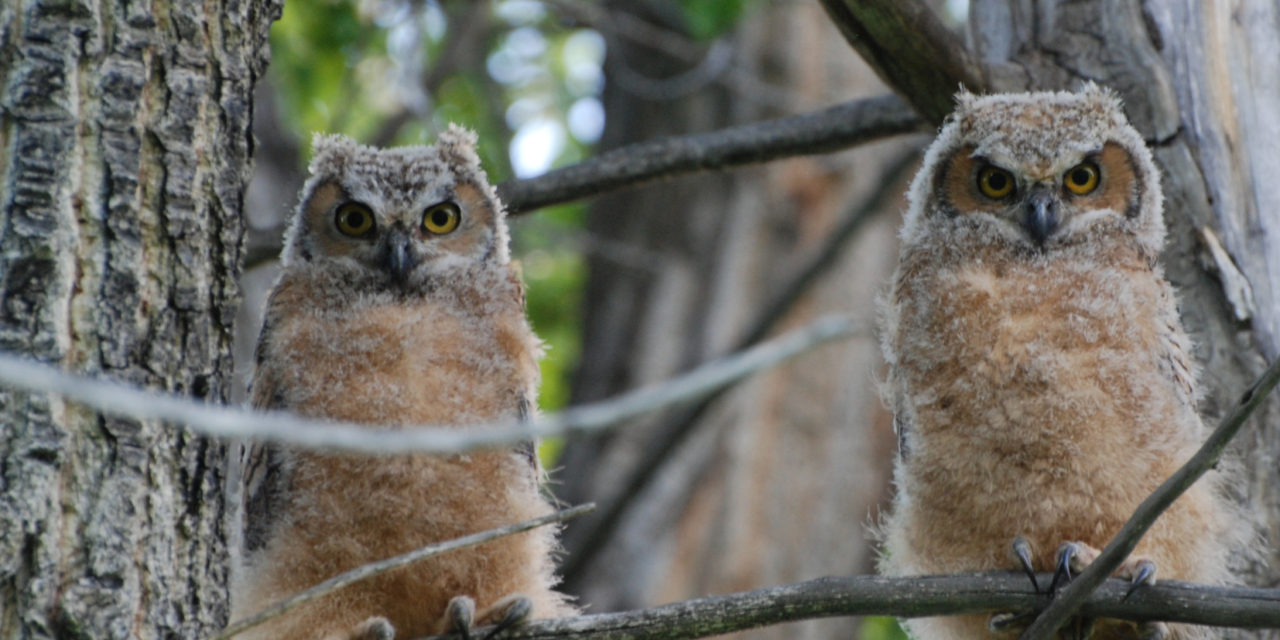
910 49
975 593
1078 592
230 422
826 131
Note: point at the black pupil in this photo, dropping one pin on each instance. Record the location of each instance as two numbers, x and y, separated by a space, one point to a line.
440 217
1080 177
996 181
355 219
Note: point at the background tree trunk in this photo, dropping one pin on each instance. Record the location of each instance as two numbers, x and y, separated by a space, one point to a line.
1200 81
126 145
779 480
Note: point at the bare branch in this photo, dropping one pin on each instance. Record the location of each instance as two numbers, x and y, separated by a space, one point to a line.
588 536
910 49
228 422
1078 592
974 593
377 568
826 131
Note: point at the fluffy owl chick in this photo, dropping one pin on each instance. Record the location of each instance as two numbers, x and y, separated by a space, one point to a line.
397 304
1039 372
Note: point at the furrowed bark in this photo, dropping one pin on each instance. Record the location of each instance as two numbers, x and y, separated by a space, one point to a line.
124 150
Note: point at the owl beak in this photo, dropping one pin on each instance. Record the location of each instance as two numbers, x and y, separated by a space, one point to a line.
1040 216
399 259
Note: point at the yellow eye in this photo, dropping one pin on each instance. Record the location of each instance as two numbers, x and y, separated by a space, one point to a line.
1082 178
995 182
441 218
354 219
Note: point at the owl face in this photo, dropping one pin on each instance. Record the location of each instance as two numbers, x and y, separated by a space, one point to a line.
1039 170
397 216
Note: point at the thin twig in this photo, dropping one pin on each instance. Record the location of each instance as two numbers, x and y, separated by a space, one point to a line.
378 568
827 131
1070 599
974 593
228 422
588 536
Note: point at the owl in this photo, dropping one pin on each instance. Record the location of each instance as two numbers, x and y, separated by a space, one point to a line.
397 305
1038 370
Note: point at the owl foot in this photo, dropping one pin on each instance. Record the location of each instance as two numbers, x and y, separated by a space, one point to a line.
508 612
1075 556
1153 631
375 628
1022 552
461 617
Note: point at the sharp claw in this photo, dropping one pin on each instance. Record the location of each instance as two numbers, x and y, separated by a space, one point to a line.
1146 571
1063 572
1003 621
517 612
1022 550
462 615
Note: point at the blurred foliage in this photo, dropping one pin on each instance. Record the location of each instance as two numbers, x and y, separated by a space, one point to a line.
881 628
708 19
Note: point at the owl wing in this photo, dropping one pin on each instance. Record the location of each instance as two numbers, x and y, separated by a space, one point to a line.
1177 365
263 479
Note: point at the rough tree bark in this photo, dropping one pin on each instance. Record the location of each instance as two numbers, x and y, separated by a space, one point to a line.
1200 80
779 480
124 151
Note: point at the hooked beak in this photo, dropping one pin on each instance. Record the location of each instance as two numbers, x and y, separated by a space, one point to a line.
1040 215
399 259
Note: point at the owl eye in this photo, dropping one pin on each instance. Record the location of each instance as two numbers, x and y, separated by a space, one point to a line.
1082 178
995 183
441 218
354 219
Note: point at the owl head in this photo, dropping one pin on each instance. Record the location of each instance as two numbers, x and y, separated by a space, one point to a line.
1040 171
397 216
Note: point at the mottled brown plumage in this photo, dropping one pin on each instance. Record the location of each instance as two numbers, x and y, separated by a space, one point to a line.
395 325
1039 372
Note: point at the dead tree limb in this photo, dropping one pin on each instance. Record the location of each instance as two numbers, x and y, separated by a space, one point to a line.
910 48
975 593
833 129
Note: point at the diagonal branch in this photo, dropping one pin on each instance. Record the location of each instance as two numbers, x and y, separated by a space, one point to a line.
228 422
910 49
1078 592
833 129
378 568
974 593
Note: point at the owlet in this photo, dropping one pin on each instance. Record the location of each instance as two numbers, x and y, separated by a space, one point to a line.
397 305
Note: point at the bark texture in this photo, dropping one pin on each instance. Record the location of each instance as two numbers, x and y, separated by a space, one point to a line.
1195 77
778 480
124 130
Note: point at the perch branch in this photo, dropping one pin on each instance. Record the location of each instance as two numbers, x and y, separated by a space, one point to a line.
1078 592
975 593
583 541
377 568
826 131
228 422
910 48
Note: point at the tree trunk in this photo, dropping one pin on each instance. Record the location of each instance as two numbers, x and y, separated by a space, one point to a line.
1200 81
125 150
779 480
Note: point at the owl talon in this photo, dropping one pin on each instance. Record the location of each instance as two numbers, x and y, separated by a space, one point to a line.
1143 573
375 628
1153 631
1022 551
1072 557
515 610
460 615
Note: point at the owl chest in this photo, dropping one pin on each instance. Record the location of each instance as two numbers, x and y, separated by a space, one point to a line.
1027 362
400 365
